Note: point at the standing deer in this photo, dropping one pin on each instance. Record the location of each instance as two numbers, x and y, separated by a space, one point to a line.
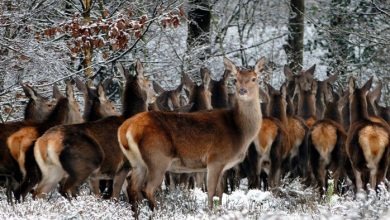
304 79
327 145
76 152
368 139
155 142
200 100
37 110
19 138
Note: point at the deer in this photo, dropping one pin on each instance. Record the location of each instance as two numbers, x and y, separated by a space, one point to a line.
199 100
323 94
37 110
272 143
374 108
76 152
368 139
304 78
327 145
97 106
212 141
18 138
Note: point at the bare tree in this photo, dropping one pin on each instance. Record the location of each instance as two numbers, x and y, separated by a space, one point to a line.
294 46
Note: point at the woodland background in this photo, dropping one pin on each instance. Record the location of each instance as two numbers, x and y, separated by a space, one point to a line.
43 42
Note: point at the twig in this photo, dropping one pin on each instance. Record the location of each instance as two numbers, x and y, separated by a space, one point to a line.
252 46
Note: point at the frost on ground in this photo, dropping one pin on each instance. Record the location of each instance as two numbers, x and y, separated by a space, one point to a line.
291 201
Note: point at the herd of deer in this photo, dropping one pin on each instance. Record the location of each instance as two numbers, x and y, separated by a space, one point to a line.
306 129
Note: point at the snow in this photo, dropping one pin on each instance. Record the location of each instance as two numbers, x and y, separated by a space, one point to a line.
291 201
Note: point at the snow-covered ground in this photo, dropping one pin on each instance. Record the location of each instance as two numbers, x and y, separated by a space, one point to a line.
291 201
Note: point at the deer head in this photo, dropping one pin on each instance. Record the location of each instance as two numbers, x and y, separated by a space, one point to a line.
358 100
199 95
38 107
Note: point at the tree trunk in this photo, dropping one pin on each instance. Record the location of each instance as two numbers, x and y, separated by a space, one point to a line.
338 48
199 26
88 50
294 47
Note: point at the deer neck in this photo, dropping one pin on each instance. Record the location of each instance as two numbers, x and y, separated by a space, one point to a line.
358 110
333 113
248 117
320 104
219 99
278 111
134 100
306 108
59 115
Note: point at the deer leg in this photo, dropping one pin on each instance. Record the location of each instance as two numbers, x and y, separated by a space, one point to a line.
358 180
119 179
213 176
72 182
44 187
337 182
95 186
373 175
322 177
137 180
220 187
155 178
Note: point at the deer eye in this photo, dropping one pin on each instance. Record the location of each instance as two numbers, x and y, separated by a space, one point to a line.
254 79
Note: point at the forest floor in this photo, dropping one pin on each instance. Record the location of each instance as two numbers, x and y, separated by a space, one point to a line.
290 201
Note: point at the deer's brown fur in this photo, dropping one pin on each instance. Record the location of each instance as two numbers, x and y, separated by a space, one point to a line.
75 152
368 140
214 141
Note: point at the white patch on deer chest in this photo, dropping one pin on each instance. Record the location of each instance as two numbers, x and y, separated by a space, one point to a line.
373 140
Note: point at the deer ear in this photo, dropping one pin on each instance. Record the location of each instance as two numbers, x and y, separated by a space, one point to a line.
80 85
283 91
229 66
343 100
121 70
366 87
30 92
225 77
101 93
56 92
311 70
260 64
375 94
297 90
205 74
263 95
139 68
157 88
270 88
351 85
188 83
314 86
332 78
69 91
179 88
288 73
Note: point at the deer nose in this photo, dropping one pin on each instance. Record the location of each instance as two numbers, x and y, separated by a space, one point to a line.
243 91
